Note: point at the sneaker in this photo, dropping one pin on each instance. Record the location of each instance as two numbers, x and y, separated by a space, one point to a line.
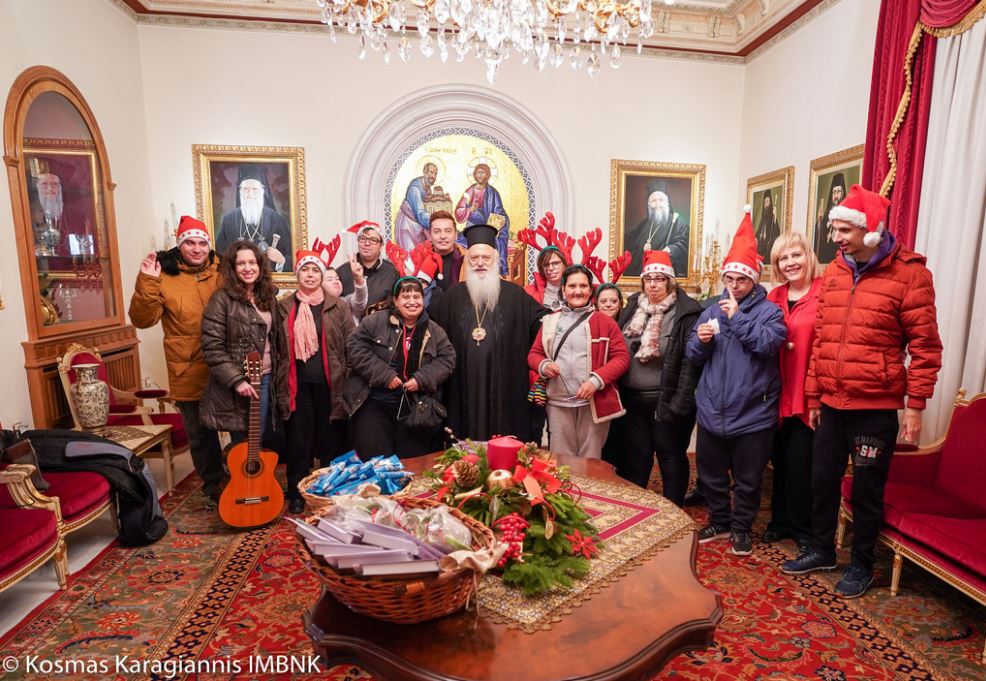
808 561
712 532
742 543
854 583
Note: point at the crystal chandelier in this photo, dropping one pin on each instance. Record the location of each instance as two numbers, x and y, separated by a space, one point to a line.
542 32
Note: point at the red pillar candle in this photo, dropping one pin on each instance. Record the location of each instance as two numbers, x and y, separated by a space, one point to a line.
501 452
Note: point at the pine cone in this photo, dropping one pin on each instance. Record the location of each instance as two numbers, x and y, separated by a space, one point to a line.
465 474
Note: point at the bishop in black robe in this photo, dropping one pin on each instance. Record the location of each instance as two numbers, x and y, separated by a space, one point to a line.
487 393
233 228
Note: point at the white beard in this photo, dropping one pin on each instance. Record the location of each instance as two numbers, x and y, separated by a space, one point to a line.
52 206
660 215
253 209
484 291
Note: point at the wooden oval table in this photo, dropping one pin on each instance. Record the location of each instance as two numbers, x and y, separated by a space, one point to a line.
628 630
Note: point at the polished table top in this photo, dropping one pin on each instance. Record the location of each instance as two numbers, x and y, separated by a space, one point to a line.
626 631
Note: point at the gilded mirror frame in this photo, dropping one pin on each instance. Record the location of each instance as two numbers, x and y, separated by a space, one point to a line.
29 85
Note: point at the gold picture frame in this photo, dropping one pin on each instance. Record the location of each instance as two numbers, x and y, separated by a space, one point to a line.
631 185
823 180
219 169
778 186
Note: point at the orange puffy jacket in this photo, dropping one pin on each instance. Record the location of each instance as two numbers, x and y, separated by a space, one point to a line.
862 332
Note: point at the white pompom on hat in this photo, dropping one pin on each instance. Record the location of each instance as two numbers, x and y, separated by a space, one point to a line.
865 209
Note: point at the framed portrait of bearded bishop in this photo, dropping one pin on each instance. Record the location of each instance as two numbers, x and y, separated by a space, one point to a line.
828 184
256 194
769 196
656 206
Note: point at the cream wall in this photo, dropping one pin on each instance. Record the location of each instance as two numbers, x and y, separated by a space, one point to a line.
808 96
156 90
252 88
95 45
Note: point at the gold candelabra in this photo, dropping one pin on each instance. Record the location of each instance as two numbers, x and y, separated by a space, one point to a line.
709 279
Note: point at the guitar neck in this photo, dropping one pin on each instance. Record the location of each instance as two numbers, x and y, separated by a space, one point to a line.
253 437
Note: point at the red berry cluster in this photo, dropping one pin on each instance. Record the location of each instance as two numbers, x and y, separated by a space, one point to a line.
511 528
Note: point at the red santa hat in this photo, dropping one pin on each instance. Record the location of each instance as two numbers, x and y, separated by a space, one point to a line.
743 257
865 209
306 257
190 228
360 227
657 262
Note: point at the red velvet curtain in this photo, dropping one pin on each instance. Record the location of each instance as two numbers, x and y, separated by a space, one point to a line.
896 31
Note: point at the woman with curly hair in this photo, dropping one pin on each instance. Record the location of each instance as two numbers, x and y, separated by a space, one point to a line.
243 316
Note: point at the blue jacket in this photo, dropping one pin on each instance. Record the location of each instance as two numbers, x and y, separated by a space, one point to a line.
740 386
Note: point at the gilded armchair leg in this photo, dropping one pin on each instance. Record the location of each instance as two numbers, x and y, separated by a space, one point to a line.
840 529
61 565
895 575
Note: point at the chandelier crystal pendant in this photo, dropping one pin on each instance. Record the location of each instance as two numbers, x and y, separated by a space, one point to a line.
542 32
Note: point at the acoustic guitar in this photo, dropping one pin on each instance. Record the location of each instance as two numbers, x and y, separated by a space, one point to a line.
253 496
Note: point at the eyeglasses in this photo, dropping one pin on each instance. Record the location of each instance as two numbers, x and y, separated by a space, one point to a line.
363 239
651 278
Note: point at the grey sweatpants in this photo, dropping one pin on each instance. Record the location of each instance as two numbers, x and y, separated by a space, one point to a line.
571 431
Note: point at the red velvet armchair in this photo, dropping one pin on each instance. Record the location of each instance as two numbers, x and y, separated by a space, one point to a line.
126 408
79 496
934 508
30 528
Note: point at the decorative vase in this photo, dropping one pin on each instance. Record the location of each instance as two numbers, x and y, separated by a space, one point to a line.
91 396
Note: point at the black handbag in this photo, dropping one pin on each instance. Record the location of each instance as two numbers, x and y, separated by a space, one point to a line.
426 412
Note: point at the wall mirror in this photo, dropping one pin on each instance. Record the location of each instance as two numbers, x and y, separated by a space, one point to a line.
61 196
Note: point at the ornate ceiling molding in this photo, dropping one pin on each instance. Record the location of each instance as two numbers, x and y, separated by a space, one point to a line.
716 31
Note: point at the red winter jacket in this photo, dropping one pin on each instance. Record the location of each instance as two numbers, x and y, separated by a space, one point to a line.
608 359
863 330
795 353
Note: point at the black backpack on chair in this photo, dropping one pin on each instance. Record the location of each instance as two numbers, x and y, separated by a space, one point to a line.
140 518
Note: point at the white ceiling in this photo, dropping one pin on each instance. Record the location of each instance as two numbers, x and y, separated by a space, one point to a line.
725 28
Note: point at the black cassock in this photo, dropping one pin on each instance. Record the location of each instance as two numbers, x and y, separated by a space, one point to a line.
487 393
271 222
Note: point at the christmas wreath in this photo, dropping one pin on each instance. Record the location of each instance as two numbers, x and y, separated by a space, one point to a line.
533 509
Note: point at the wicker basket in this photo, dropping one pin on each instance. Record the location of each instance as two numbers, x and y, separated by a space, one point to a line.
314 502
401 600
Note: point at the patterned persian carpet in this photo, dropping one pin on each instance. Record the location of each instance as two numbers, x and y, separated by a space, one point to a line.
205 595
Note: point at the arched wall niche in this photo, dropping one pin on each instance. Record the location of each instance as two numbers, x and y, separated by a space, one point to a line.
454 106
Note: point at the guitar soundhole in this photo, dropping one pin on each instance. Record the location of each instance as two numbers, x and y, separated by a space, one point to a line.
252 467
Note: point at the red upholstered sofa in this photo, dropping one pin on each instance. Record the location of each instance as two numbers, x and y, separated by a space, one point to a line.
30 528
935 505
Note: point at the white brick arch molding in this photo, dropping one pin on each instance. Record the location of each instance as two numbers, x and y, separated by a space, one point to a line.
456 106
